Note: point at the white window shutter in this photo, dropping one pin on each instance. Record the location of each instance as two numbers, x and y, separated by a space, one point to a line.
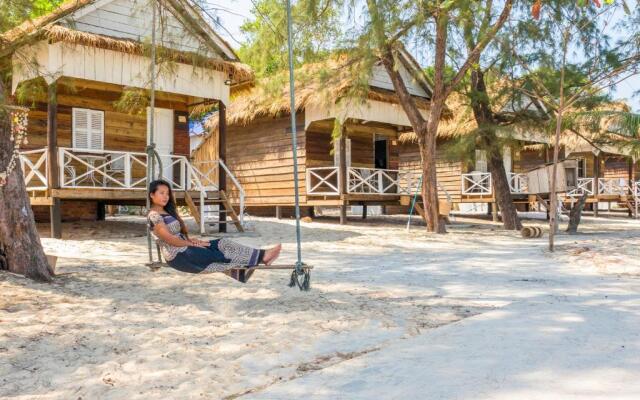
97 130
80 128
88 129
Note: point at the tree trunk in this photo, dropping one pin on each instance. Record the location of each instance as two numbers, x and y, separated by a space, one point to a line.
576 214
426 133
20 246
510 219
489 142
429 172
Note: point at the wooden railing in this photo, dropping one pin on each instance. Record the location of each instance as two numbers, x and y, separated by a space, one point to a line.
518 183
380 181
585 185
34 169
613 186
477 184
323 181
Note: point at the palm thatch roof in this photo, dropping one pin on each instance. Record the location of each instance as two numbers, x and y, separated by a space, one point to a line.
338 80
48 27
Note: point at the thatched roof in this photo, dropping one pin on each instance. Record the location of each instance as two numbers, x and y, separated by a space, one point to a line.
335 81
48 27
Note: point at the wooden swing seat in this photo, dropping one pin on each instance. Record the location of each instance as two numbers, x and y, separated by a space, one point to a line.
241 274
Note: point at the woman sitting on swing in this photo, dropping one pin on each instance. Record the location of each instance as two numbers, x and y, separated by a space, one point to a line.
193 255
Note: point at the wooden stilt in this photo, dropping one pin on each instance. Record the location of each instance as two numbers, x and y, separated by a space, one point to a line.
364 211
52 148
494 211
222 156
343 214
278 212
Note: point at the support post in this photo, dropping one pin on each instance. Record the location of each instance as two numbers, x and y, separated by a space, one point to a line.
596 184
343 175
222 156
494 211
630 183
278 212
364 211
52 148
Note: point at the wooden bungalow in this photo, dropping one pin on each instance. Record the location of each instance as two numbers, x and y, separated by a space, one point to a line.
87 146
359 167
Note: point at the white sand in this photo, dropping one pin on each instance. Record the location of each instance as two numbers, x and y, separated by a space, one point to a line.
475 314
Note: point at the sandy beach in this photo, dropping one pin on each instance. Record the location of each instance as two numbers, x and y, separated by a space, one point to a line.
109 328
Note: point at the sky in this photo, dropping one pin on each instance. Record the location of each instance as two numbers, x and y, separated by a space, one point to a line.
233 13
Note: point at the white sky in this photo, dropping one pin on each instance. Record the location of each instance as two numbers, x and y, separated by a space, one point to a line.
234 13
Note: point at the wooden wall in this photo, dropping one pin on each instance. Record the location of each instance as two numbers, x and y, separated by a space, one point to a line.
71 210
123 131
525 160
260 156
449 172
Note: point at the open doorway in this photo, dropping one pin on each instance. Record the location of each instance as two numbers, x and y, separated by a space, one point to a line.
381 154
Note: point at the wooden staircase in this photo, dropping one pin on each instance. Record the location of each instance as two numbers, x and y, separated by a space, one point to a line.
213 204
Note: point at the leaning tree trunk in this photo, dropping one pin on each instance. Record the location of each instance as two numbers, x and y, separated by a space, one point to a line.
20 248
576 214
510 219
486 121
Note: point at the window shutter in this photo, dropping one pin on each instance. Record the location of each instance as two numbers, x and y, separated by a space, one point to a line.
97 130
80 128
88 129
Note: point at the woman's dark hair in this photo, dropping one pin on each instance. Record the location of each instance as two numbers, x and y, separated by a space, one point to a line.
170 207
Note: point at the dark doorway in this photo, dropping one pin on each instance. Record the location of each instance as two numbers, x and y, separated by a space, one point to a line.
380 155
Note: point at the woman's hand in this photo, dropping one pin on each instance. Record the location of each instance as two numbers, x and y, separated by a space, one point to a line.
198 243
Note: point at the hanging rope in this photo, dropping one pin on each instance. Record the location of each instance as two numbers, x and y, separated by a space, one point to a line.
151 152
299 272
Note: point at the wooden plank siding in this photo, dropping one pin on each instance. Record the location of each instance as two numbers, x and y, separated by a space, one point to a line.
260 156
122 131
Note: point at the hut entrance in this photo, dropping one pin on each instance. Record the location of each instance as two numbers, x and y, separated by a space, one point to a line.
381 154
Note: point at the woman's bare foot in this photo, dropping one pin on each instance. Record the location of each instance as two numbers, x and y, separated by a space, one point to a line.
271 254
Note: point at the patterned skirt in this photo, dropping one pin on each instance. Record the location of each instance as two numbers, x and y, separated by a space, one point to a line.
220 256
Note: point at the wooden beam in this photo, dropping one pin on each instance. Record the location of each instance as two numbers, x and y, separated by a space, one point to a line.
596 183
222 155
52 148
343 174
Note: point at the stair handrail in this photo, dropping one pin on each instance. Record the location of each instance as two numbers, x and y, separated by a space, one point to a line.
238 186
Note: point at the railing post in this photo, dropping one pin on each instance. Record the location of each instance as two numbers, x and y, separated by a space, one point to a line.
127 170
380 179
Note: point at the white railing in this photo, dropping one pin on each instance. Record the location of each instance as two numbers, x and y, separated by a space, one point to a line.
34 169
613 186
323 181
477 184
518 183
636 190
203 176
104 169
585 185
380 181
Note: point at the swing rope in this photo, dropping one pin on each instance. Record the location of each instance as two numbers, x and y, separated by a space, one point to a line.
300 275
299 270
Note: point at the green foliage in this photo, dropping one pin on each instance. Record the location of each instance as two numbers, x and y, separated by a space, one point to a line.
14 12
316 25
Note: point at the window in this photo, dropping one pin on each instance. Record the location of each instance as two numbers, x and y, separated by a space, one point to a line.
88 129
